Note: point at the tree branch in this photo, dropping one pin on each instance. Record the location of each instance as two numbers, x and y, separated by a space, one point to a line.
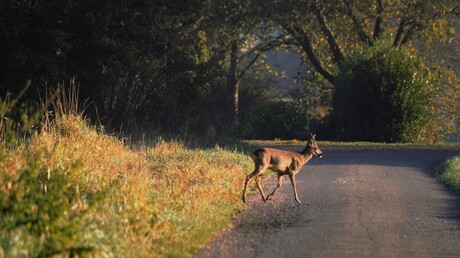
399 32
361 33
304 41
334 46
246 68
265 46
408 34
456 10
378 20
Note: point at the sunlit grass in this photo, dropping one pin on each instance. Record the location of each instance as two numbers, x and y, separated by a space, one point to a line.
449 172
70 189
197 192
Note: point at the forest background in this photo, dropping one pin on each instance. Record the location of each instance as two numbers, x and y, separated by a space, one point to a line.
356 70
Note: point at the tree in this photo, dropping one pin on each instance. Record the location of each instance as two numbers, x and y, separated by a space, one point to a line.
326 32
247 39
178 65
382 94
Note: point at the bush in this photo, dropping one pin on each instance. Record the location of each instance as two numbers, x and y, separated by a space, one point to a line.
382 94
449 172
275 119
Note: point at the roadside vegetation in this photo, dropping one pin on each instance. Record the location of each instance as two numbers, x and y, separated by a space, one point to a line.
448 172
299 143
70 189
198 70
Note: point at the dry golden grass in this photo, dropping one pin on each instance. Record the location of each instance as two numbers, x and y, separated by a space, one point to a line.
92 194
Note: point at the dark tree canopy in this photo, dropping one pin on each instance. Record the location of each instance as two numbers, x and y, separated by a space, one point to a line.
199 66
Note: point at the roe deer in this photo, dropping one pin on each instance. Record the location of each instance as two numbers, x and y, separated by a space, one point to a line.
282 162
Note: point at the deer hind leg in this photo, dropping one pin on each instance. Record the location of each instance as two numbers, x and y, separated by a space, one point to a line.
256 173
260 187
280 182
292 177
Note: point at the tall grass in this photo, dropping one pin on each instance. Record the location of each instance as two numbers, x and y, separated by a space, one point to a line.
69 189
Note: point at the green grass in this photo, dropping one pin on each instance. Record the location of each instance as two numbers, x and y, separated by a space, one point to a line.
286 143
448 172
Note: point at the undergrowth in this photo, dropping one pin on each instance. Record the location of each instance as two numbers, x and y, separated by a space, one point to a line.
449 172
69 189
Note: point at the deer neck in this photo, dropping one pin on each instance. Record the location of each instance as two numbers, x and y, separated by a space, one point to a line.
306 154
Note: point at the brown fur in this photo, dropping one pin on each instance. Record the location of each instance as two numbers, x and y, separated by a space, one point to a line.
283 163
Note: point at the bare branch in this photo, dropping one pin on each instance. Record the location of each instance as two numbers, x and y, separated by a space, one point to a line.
361 33
456 10
399 32
246 68
408 34
265 46
378 20
334 46
304 41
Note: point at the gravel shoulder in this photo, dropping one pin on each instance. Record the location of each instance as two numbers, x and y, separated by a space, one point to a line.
355 203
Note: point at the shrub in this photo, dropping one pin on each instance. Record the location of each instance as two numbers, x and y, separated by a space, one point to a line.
449 172
275 119
382 94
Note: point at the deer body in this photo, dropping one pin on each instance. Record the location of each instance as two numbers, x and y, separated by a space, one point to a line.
280 161
283 163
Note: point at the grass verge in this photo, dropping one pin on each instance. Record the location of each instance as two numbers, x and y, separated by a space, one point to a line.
376 145
448 172
71 190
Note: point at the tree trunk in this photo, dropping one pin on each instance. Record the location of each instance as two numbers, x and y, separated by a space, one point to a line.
233 84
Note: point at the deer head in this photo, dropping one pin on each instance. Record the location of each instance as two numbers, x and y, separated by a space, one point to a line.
313 147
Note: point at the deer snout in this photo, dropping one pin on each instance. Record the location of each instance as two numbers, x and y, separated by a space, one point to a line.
319 153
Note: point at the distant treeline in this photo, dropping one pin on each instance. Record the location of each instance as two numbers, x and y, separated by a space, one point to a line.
197 68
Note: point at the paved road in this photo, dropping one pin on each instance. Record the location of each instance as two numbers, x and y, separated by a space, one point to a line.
355 203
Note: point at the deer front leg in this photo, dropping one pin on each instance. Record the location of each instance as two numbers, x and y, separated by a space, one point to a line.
292 177
280 182
260 188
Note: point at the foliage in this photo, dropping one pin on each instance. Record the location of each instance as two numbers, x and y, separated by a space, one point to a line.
177 66
382 94
43 210
325 31
449 172
276 119
71 190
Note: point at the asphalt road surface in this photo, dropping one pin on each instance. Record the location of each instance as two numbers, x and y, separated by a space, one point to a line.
355 203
